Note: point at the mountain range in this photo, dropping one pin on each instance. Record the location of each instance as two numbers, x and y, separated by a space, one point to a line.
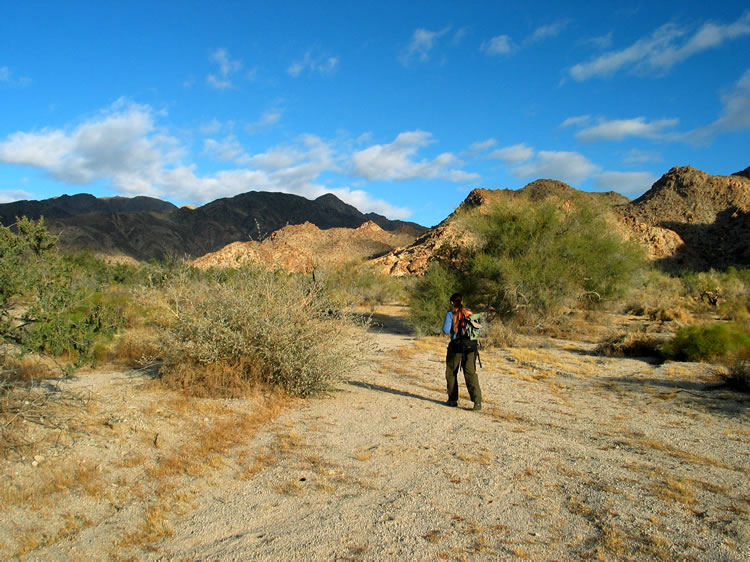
144 228
687 220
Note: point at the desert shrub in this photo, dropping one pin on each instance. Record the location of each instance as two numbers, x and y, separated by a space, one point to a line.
429 299
361 284
708 342
653 290
737 376
263 327
631 344
497 334
535 258
47 304
728 292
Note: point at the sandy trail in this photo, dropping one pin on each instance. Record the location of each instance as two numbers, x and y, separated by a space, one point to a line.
573 456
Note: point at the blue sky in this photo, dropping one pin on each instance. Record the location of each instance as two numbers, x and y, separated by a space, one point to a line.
399 108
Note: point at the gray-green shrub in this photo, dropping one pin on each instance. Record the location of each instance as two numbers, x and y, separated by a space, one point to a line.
268 327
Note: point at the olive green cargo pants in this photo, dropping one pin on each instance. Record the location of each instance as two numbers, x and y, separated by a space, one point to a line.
468 362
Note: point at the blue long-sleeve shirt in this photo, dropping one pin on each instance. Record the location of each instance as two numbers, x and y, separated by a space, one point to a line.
448 324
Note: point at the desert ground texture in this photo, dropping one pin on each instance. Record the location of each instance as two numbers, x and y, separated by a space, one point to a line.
574 456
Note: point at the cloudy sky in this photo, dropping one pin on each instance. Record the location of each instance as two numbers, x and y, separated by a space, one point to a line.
400 108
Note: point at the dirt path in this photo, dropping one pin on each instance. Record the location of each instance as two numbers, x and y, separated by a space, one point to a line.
573 456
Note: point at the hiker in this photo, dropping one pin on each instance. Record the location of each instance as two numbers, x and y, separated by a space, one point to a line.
462 353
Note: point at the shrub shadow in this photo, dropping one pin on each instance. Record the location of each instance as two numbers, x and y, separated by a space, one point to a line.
388 324
717 397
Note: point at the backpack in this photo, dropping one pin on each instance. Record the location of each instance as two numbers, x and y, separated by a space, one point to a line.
469 327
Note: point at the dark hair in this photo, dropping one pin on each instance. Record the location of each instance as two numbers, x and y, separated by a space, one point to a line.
457 299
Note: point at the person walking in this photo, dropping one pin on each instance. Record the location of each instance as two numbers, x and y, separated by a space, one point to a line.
461 354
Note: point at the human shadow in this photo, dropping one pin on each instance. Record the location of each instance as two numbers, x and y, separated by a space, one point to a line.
379 388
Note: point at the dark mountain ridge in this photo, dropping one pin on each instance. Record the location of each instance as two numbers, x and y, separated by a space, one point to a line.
144 228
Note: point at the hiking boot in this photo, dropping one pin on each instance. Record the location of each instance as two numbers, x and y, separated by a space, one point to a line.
477 406
452 403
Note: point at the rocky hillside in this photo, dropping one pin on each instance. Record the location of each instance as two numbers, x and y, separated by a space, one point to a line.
688 219
450 238
694 220
144 228
304 248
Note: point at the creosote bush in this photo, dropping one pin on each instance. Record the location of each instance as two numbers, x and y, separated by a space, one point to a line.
429 299
708 342
257 328
530 261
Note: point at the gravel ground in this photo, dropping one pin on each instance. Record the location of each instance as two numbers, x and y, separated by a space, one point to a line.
573 456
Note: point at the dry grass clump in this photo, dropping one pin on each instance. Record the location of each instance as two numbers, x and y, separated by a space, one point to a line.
497 334
135 348
631 344
26 401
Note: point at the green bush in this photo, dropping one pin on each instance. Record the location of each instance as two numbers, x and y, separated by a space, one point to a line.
429 299
532 259
261 327
708 342
48 303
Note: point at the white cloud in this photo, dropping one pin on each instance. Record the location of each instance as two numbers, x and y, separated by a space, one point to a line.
267 119
668 45
4 74
735 114
579 120
635 156
226 150
395 161
366 203
481 146
625 182
570 167
227 67
513 154
125 147
619 129
422 42
312 63
210 127
10 195
121 145
549 30
459 35
499 45
601 41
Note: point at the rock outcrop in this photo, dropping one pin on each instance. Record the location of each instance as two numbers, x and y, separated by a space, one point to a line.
693 220
305 248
